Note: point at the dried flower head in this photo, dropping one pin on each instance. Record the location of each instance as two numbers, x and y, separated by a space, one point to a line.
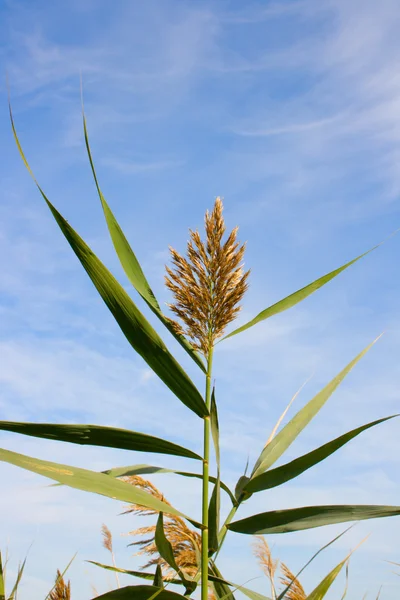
61 590
296 591
107 538
262 551
185 542
209 284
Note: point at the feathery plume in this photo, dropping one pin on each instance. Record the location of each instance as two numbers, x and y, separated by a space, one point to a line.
209 284
61 590
108 545
107 538
185 542
296 591
269 565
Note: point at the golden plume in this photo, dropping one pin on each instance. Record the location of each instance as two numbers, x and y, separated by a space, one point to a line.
209 284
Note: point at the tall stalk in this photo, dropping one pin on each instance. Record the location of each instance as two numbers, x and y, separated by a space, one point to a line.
206 461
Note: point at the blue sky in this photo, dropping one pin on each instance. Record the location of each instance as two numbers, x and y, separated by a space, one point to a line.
291 112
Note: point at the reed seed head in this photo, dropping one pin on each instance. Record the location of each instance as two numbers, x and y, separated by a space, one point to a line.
185 542
209 284
62 590
262 552
296 591
107 538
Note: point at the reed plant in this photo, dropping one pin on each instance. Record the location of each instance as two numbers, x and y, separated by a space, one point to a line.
208 286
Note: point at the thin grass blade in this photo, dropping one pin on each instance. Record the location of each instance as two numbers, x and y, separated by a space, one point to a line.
97 435
141 574
308 517
2 581
130 263
280 475
14 591
298 296
282 595
139 592
90 481
213 518
61 575
150 469
137 330
165 550
289 433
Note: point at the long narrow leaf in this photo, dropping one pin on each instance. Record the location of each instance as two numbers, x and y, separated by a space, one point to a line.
289 433
215 427
323 587
97 435
222 589
246 591
307 517
139 592
137 330
89 481
280 475
21 568
166 552
2 580
130 263
282 595
213 518
141 574
298 296
61 575
151 469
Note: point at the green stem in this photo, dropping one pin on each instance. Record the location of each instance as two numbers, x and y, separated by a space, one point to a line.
206 458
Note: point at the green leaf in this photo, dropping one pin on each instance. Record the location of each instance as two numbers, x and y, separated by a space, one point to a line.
214 507
221 588
149 469
283 594
141 574
90 481
13 594
297 297
97 435
139 592
322 588
346 586
61 575
307 517
246 591
158 580
2 580
137 330
166 552
131 265
213 518
293 469
289 433
215 427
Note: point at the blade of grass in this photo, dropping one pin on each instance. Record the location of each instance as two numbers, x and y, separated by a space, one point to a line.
148 469
308 517
280 475
298 296
289 433
137 330
141 574
97 435
166 552
90 481
130 263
